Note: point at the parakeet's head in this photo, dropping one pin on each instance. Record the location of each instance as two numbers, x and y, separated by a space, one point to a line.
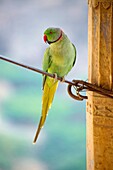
52 35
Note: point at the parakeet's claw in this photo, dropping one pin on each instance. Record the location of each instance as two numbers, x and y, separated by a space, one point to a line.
62 79
55 77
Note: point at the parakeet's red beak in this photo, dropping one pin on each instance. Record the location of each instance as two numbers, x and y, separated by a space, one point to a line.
45 38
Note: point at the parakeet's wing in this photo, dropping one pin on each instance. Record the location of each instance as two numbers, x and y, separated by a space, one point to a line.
75 55
46 63
73 62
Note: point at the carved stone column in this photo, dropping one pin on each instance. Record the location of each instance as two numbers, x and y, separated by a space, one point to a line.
100 72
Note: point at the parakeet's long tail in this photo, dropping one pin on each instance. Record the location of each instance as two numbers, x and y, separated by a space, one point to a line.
50 87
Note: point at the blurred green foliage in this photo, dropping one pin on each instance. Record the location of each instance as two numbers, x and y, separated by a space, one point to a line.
64 146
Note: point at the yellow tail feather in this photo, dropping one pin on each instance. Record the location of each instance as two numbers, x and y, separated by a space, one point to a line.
50 87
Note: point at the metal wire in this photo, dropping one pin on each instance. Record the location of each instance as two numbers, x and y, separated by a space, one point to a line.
79 85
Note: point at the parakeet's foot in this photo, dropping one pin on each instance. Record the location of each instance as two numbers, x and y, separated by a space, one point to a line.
62 79
55 77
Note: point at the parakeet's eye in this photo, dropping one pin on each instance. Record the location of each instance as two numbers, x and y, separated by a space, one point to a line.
51 32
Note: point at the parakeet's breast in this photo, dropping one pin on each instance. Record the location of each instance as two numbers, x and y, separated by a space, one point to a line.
62 57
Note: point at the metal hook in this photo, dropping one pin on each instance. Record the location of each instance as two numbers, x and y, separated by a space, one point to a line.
76 97
81 85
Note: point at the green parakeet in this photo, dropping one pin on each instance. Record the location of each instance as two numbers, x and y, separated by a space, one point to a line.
59 58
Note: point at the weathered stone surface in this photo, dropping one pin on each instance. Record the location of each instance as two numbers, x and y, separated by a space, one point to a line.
100 72
106 3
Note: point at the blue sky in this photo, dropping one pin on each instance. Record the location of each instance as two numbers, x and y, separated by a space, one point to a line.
23 23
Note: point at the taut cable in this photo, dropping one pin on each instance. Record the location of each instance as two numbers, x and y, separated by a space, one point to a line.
79 85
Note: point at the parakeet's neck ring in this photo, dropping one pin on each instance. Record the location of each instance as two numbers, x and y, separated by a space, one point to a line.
49 42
